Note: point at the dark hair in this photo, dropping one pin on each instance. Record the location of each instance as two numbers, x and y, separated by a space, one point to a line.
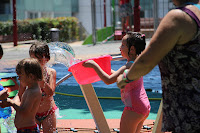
1 51
137 40
30 66
40 49
181 2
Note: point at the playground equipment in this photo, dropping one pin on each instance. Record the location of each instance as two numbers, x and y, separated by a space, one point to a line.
8 80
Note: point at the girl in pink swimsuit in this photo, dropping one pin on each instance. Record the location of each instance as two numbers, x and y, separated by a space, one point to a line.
133 95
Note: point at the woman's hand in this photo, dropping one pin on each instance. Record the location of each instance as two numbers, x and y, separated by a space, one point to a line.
90 63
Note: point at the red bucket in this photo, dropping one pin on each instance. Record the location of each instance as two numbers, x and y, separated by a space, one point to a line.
84 75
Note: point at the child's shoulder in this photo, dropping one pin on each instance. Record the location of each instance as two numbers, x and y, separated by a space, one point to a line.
34 91
51 70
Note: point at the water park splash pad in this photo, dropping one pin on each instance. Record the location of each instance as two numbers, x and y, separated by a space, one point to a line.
68 86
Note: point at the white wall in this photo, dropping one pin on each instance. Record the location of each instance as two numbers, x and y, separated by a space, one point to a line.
84 14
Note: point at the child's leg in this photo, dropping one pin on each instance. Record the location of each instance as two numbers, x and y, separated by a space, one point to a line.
129 121
49 124
141 124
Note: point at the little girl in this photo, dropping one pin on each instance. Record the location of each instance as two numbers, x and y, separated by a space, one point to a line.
45 116
133 95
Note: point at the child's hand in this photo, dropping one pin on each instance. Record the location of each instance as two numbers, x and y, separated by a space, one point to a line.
4 94
89 63
41 83
5 103
120 82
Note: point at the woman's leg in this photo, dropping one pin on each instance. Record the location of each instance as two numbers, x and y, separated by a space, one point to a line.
49 124
129 121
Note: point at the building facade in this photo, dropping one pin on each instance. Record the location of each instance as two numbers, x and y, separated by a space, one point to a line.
30 9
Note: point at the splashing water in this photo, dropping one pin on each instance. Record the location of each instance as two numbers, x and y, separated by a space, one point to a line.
64 46
60 55
9 123
57 114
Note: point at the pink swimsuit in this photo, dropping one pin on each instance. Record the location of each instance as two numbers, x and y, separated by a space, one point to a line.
135 98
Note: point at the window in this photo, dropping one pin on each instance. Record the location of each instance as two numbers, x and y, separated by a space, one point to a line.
46 14
5 7
32 15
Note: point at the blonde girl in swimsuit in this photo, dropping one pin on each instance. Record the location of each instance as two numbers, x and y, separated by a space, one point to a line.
134 97
45 116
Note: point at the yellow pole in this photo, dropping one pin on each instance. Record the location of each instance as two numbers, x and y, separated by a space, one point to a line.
158 123
95 108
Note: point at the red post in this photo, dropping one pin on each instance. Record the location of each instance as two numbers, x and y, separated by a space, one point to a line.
104 5
136 15
14 24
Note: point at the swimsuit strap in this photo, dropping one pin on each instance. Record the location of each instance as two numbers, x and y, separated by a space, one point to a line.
194 17
189 12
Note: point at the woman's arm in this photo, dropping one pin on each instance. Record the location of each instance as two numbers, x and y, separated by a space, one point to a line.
164 39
